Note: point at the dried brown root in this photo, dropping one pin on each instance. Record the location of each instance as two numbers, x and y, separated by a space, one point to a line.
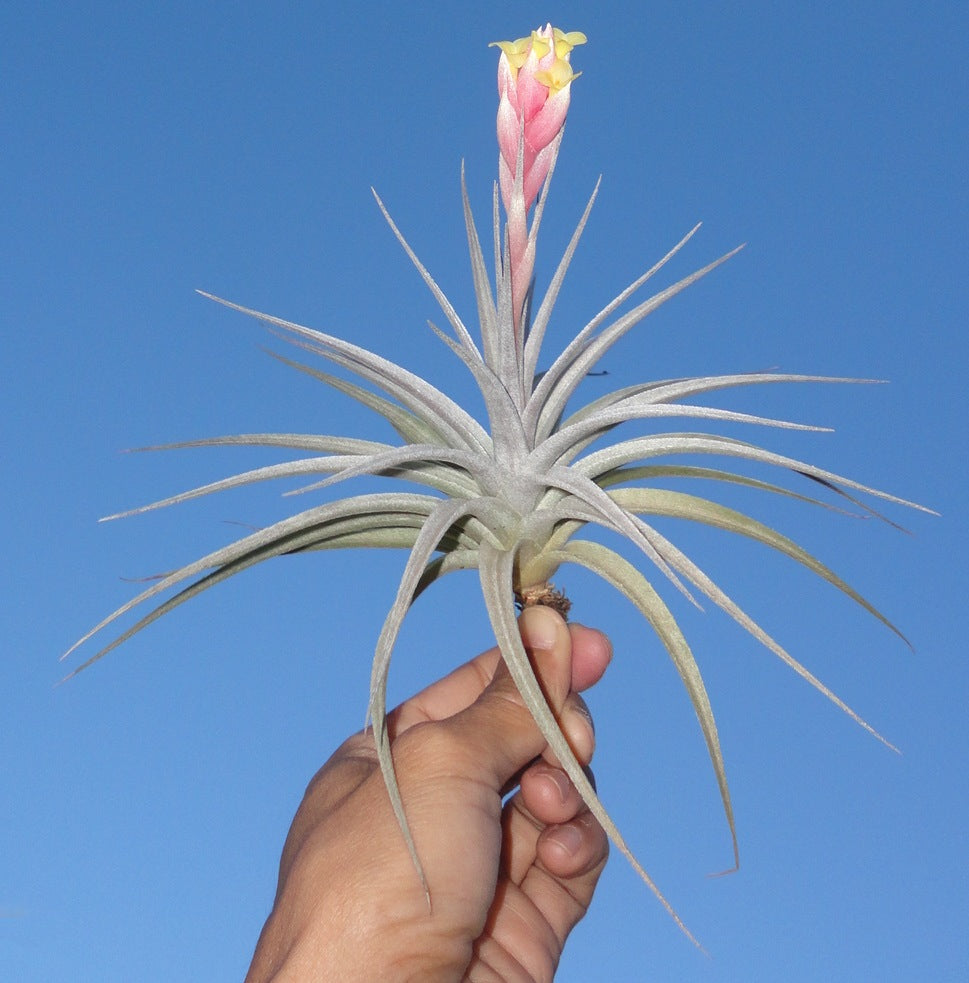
547 594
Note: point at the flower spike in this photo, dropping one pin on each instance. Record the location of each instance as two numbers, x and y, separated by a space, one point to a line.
534 88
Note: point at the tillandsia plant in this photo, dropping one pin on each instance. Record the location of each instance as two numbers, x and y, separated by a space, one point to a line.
511 499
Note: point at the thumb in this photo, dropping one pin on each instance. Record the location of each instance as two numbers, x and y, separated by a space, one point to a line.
497 730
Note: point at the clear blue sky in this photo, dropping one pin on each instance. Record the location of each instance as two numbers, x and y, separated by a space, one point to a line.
151 149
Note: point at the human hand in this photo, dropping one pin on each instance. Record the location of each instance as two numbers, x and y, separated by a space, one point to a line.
507 882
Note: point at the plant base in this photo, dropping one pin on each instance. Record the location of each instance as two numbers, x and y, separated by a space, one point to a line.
546 594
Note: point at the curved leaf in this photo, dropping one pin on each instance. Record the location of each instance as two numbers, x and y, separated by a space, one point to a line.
619 572
415 393
640 448
591 352
538 401
444 515
685 566
276 535
411 427
679 505
497 576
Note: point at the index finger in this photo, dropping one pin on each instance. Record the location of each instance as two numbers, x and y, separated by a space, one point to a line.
591 653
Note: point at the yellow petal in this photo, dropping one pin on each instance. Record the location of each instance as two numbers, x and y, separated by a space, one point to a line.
558 76
515 51
540 44
564 43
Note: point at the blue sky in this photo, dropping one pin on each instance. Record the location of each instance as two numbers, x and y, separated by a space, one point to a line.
149 150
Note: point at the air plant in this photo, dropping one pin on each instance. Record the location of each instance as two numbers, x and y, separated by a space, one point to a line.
510 500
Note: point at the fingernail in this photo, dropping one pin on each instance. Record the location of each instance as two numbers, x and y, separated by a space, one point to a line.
562 783
541 628
568 837
583 709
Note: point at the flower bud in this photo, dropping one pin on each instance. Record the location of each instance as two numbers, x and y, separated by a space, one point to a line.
534 81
